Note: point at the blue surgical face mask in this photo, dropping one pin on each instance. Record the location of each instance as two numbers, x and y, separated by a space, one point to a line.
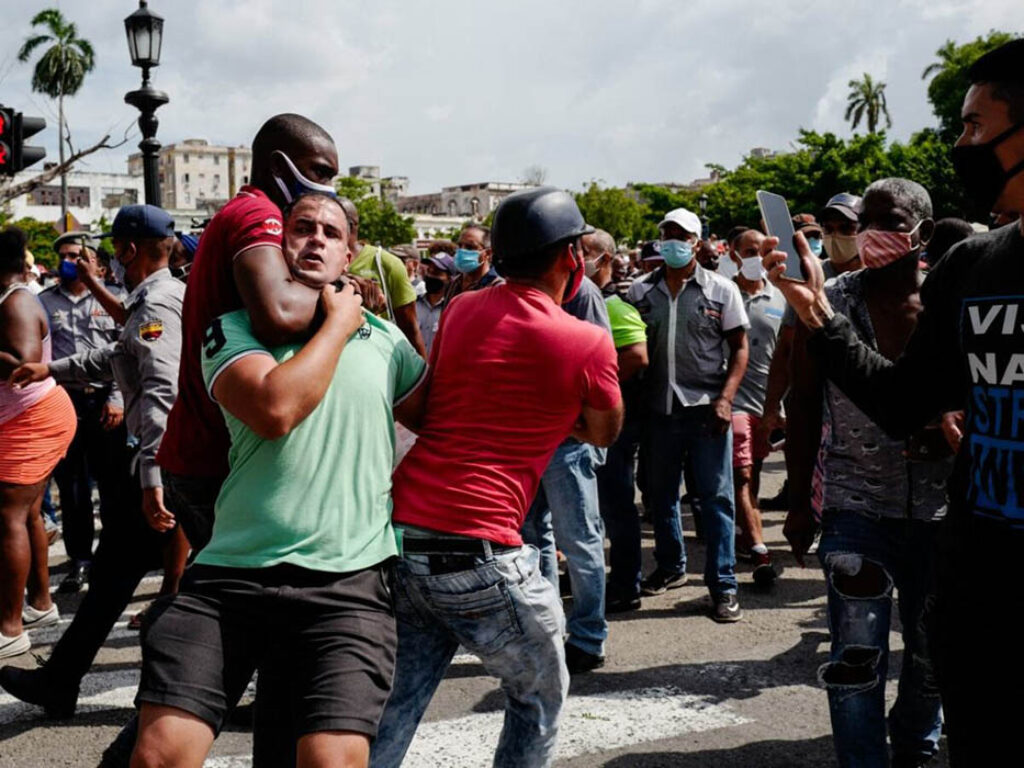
67 270
815 245
676 253
299 183
466 260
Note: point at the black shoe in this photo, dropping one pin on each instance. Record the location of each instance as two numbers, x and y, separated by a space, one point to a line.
765 573
779 502
77 578
726 608
660 581
578 661
35 686
622 604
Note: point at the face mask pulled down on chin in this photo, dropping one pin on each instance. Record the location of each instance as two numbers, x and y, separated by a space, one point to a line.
299 184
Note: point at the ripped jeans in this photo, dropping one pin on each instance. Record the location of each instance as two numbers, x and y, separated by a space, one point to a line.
864 558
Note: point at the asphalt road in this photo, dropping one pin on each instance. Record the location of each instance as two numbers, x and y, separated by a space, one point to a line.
678 690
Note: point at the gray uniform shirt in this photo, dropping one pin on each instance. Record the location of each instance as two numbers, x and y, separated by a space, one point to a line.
686 343
864 469
144 363
765 310
428 316
80 324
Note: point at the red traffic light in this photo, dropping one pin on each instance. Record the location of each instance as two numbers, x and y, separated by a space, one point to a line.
14 129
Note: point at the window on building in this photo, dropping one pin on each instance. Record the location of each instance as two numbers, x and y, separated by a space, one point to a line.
184 157
216 179
186 178
474 205
216 159
452 208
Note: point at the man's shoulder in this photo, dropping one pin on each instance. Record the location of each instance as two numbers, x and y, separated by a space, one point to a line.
49 295
717 286
247 206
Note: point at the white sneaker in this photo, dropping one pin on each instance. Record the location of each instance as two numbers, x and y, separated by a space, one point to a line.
33 619
14 646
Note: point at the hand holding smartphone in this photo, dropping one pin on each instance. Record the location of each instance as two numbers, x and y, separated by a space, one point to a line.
779 223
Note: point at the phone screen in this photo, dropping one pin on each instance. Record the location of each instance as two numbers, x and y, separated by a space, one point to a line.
779 223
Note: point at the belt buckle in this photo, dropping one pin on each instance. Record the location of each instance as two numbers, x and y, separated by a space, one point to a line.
89 390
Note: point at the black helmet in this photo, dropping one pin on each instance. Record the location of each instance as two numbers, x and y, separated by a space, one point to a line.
527 222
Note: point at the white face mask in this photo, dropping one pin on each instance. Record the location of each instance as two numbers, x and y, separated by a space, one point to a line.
300 183
752 268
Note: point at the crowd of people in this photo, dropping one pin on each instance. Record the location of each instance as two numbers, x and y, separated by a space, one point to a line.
350 461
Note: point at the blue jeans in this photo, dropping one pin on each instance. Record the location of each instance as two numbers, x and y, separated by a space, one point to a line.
566 511
617 497
689 433
504 611
863 558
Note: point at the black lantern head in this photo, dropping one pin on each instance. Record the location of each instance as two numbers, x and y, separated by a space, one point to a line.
145 31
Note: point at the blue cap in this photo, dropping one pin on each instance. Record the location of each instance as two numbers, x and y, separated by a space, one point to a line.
191 242
442 261
141 221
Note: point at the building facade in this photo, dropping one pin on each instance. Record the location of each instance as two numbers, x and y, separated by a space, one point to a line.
198 176
91 196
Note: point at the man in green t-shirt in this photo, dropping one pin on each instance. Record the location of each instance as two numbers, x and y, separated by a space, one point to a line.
615 481
388 271
296 564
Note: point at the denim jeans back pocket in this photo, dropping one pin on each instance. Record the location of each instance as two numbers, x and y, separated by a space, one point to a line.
482 620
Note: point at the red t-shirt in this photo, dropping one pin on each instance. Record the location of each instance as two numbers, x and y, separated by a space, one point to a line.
510 373
196 441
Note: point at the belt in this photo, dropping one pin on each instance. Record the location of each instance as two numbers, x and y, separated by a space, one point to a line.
89 390
447 546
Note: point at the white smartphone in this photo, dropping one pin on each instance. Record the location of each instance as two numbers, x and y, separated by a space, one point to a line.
779 223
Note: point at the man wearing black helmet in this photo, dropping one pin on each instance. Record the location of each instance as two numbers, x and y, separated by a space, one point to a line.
511 375
964 352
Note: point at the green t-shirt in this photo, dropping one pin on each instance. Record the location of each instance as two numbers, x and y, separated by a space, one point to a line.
395 280
627 327
319 497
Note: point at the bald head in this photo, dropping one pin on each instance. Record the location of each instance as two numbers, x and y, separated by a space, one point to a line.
597 244
288 144
288 133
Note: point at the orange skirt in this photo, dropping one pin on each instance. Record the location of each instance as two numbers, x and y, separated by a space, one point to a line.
32 443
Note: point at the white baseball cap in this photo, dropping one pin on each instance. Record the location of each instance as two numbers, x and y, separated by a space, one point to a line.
688 220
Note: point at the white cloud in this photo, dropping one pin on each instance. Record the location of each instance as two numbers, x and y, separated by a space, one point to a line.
455 91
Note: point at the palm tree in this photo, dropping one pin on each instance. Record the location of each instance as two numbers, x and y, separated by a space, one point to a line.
867 100
59 72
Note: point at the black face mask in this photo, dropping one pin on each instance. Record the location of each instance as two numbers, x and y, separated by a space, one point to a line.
981 172
433 284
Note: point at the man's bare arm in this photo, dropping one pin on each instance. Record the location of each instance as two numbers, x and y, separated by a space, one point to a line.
408 323
600 428
632 360
281 309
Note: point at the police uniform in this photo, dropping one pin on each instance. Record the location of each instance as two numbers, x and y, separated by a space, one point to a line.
144 363
80 324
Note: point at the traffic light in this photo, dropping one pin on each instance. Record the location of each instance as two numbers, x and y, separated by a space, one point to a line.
14 129
24 127
6 141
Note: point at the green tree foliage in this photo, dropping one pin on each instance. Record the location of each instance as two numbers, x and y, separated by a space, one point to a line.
60 71
821 166
949 80
616 211
866 100
379 222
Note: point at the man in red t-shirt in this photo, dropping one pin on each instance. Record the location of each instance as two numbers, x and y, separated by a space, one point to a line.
512 376
239 263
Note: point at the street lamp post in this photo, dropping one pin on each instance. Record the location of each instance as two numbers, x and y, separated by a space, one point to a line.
145 31
705 222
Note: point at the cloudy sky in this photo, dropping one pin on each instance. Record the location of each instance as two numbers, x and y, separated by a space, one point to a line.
452 91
